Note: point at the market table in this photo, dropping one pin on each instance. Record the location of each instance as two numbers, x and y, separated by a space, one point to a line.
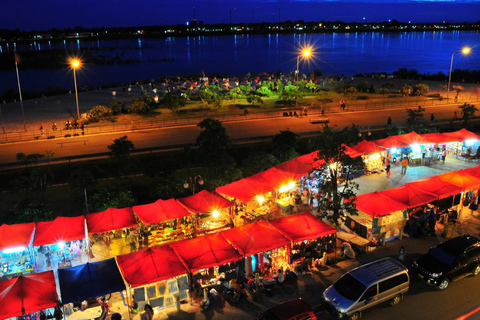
87 314
357 241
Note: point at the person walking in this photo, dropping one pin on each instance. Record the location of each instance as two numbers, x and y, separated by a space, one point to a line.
404 165
432 117
387 167
389 121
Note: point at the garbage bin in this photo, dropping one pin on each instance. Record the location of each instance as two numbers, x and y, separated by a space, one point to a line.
447 230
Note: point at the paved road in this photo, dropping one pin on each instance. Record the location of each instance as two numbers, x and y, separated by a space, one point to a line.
174 136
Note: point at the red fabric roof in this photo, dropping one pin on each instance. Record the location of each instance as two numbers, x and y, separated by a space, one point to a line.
205 252
410 196
475 171
17 235
244 189
204 201
256 237
462 135
160 210
302 226
436 186
110 219
27 294
461 179
60 229
152 265
391 142
411 138
295 167
376 204
352 153
272 178
367 147
310 158
436 137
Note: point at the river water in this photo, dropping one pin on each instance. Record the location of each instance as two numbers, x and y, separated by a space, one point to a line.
334 54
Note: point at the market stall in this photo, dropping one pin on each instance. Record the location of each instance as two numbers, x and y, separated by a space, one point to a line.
261 243
379 217
208 258
17 255
372 155
410 196
89 280
212 212
107 231
61 243
156 276
164 221
25 295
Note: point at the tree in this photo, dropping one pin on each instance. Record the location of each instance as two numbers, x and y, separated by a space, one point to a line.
288 98
421 88
173 102
254 98
416 119
338 195
468 113
257 162
213 139
27 211
84 179
121 148
114 197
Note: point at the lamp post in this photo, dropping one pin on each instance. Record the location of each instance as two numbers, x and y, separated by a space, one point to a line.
76 63
305 53
465 50
189 181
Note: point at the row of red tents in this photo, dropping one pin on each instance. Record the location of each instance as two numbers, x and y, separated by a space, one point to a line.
30 293
418 193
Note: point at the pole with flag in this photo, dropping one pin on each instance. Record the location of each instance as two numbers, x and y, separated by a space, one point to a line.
17 61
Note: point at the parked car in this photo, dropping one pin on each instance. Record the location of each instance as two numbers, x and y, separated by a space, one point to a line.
449 261
295 309
383 280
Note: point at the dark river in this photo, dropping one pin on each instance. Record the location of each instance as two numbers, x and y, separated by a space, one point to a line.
334 54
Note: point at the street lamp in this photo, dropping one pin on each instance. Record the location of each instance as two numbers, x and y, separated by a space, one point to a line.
305 53
189 181
76 63
465 50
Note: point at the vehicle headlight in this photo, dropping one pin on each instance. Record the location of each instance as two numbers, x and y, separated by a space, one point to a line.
436 275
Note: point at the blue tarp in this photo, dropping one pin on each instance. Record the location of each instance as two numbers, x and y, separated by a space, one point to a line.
90 280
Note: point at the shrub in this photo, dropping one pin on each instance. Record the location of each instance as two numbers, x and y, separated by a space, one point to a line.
100 111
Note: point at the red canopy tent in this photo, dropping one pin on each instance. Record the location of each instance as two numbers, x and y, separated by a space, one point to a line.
352 153
437 186
152 265
410 196
160 210
17 235
311 158
295 167
462 135
376 204
436 137
391 142
255 237
110 219
302 226
367 147
475 171
27 294
273 178
204 201
461 179
61 229
411 138
243 190
205 252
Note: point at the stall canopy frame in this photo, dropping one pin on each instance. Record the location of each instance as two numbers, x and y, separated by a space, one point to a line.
27 294
90 280
410 196
303 226
17 235
61 229
110 219
376 204
204 201
160 210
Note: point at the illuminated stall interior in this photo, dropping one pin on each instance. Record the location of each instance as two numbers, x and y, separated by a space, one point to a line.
17 256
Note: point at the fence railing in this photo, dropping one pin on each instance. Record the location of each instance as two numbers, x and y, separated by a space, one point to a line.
351 106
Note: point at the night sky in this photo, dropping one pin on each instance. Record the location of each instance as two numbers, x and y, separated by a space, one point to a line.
28 15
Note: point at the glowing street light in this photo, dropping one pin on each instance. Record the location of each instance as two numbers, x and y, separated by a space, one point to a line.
305 53
465 50
76 63
189 181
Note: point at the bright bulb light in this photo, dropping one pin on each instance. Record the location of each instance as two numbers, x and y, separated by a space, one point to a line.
466 50
61 245
215 214
14 250
260 199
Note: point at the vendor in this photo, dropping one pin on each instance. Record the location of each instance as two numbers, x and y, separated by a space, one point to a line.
280 277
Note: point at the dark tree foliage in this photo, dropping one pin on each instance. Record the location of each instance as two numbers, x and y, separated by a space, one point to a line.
213 140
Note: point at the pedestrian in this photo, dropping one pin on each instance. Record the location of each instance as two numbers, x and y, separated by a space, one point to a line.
104 304
389 121
455 115
401 253
148 313
432 117
54 126
83 128
41 129
444 154
404 165
387 167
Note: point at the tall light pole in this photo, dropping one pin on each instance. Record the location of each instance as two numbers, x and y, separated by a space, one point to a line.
189 181
76 63
465 50
305 53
